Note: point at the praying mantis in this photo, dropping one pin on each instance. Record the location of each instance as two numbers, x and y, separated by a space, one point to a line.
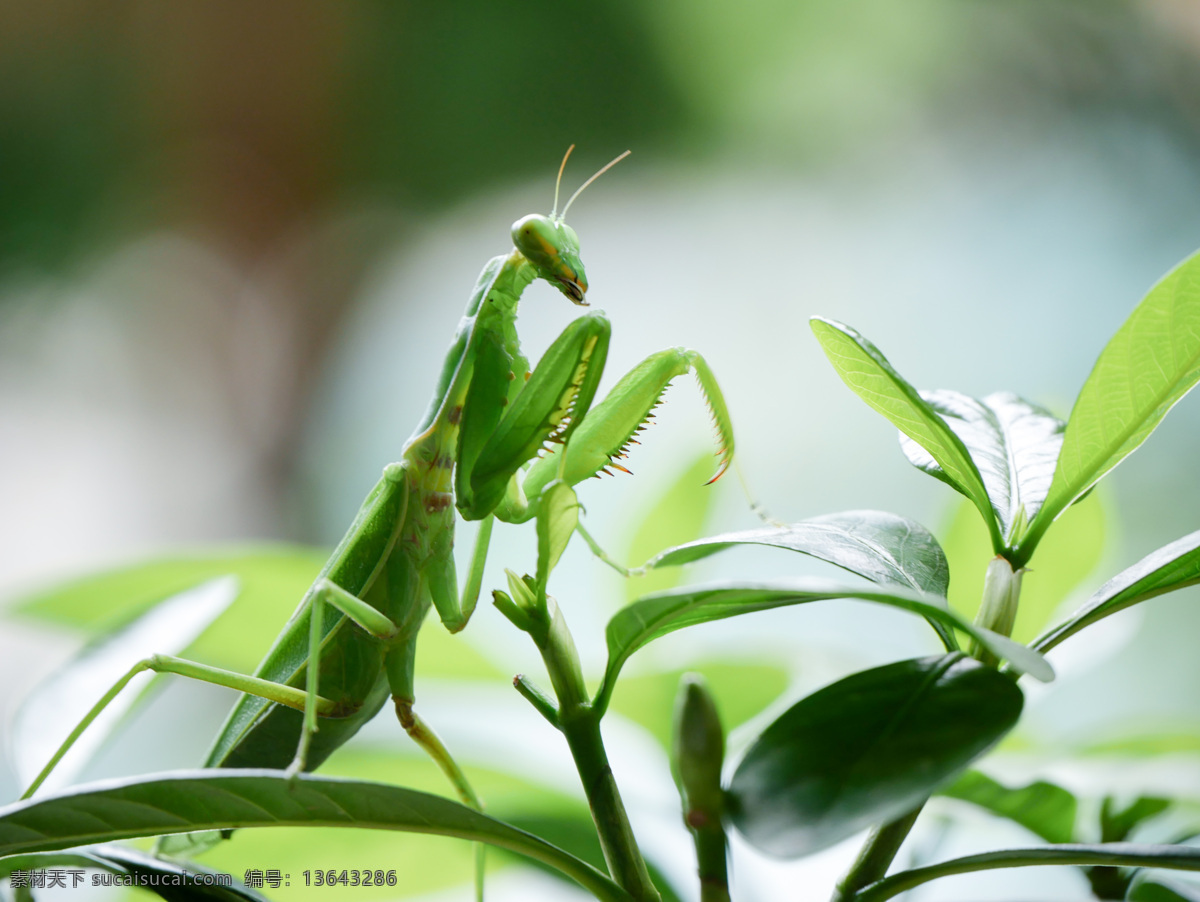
329 672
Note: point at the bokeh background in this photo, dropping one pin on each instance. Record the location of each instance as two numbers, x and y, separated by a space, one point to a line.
236 238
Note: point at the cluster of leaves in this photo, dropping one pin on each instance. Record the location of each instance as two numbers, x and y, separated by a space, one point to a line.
866 751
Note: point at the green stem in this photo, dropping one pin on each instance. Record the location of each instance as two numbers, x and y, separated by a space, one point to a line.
1108 854
712 854
876 856
625 862
998 606
579 722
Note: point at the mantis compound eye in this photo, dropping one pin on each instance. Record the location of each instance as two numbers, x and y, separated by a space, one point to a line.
553 249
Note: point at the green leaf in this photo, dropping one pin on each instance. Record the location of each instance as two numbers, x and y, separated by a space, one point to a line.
1171 567
103 601
1044 809
657 615
867 372
1148 887
882 547
56 705
272 579
83 858
1013 443
168 879
193 877
1117 823
1118 854
558 512
866 750
1147 367
223 799
677 516
430 864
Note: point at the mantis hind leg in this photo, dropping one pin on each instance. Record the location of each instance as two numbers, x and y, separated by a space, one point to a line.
323 592
400 672
424 736
400 666
276 692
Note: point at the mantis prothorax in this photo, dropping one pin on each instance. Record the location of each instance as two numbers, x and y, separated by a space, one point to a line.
489 417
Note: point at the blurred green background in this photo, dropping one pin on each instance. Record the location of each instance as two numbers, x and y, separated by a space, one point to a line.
235 238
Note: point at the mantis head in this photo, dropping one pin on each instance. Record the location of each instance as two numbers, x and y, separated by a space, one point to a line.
552 246
553 249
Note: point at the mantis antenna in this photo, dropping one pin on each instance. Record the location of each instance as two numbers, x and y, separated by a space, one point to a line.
599 173
558 181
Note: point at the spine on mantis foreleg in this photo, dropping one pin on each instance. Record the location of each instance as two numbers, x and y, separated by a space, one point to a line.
604 436
549 408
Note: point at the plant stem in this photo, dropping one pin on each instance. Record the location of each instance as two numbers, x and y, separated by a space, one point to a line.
579 722
712 854
876 856
625 862
998 607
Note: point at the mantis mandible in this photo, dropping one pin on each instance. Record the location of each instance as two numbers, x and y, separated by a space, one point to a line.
489 417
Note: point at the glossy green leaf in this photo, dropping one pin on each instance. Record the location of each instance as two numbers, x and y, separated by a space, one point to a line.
881 547
867 372
1171 567
1013 443
221 799
1117 854
49 713
1044 809
867 749
431 866
657 615
1147 367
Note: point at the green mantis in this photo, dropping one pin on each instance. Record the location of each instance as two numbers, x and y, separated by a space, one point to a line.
351 643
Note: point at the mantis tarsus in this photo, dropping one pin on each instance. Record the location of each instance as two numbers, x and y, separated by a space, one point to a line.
489 417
